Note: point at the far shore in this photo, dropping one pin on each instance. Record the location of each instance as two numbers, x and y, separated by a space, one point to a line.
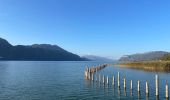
158 66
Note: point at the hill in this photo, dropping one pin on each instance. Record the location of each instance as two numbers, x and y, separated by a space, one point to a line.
154 55
97 58
166 57
45 52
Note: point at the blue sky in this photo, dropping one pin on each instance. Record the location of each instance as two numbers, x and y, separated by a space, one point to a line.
110 28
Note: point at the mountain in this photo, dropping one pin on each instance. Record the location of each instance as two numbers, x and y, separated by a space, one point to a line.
97 58
45 52
154 55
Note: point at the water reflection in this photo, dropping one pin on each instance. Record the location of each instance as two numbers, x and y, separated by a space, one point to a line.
124 91
139 95
131 93
147 96
119 92
157 97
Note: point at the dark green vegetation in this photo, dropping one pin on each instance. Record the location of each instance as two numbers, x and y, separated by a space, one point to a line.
166 57
148 65
154 55
45 52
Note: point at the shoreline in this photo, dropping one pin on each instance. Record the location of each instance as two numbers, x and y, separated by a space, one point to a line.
158 66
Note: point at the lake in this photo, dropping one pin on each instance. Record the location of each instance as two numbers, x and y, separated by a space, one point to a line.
64 80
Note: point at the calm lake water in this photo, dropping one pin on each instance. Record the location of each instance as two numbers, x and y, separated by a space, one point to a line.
53 80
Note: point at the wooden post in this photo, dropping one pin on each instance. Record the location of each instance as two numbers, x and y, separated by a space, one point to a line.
157 85
131 85
113 81
86 74
166 91
96 77
92 77
99 78
147 88
89 75
124 83
138 86
118 80
103 79
107 80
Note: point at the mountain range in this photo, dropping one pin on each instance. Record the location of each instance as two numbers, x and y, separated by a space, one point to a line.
97 58
154 55
44 52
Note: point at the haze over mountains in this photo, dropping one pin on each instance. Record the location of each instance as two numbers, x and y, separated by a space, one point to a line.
97 58
35 52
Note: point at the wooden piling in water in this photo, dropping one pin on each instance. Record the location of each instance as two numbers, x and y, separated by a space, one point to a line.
118 80
166 91
99 78
107 80
92 77
124 83
138 86
157 85
93 69
113 81
131 85
103 79
147 88
89 76
96 77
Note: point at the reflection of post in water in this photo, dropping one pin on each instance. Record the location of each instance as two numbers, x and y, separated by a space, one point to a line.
139 95
131 92
124 91
107 89
147 96
157 97
119 93
113 88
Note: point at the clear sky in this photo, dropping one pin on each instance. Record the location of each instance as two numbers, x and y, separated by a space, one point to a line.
110 28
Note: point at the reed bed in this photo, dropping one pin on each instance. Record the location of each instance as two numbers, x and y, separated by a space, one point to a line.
159 66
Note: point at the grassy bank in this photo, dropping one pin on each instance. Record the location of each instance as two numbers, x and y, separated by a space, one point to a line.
148 65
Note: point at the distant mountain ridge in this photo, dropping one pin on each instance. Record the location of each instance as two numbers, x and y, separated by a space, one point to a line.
154 55
45 52
97 58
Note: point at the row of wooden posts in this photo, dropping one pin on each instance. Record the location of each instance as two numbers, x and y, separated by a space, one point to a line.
90 75
91 71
